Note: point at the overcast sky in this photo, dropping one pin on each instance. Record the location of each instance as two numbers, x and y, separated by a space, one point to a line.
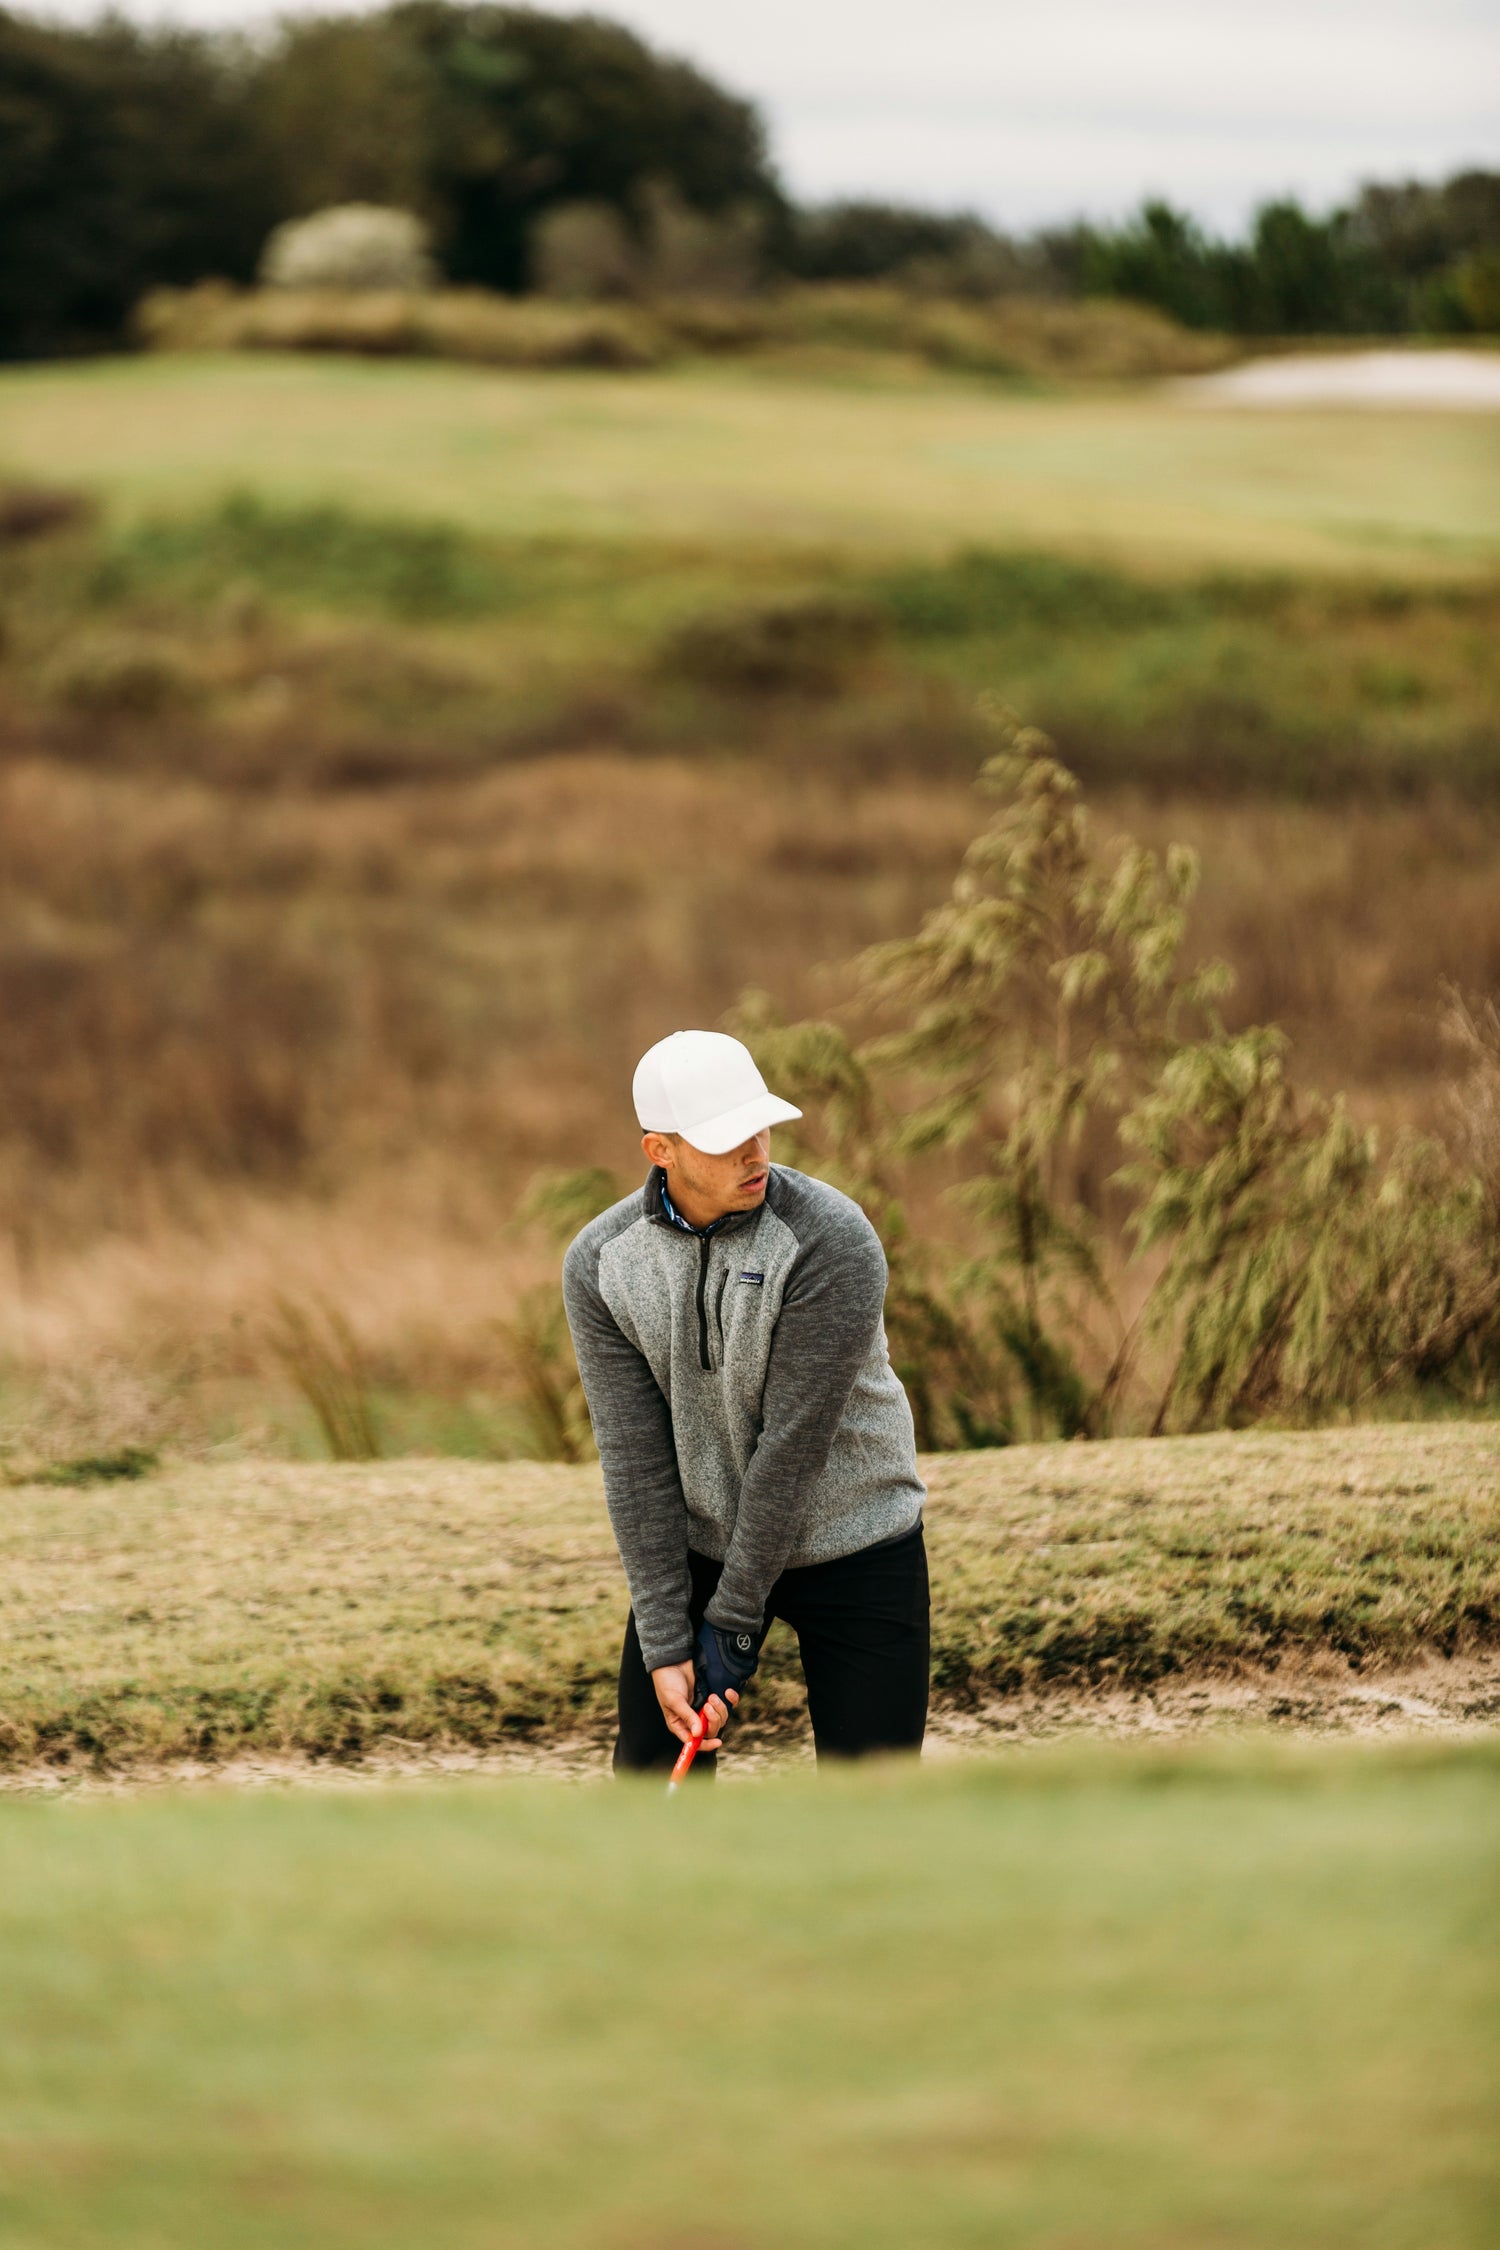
1033 110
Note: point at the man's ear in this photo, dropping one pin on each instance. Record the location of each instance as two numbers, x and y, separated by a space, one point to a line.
659 1149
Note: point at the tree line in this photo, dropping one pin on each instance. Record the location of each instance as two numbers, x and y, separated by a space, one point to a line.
132 157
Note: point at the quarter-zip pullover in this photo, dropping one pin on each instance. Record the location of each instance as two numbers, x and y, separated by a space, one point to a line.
741 1394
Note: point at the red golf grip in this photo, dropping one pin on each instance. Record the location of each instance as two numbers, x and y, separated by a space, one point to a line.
688 1752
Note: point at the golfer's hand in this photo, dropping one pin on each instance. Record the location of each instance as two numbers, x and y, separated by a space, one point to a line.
674 1692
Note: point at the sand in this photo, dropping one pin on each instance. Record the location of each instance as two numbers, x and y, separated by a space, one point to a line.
1451 381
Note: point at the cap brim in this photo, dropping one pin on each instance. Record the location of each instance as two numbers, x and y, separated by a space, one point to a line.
716 1136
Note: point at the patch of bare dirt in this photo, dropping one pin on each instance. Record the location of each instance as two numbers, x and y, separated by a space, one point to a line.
1460 1696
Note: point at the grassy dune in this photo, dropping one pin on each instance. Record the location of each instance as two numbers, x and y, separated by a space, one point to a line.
1158 2004
912 464
206 1612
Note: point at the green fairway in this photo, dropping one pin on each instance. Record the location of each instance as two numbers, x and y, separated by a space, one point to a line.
1051 2004
725 454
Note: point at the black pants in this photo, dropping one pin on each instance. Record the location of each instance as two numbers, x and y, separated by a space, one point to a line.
862 1629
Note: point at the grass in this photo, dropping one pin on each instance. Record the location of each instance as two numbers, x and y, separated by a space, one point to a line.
130 1462
906 464
320 557
313 1042
256 641
205 1612
1232 683
1159 2003
347 754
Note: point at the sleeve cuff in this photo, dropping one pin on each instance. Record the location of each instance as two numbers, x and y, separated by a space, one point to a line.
743 1623
670 1652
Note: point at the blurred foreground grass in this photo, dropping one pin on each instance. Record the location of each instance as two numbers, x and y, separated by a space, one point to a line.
1056 2003
204 1613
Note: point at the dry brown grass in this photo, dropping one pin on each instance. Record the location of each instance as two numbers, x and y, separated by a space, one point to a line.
1344 925
312 1045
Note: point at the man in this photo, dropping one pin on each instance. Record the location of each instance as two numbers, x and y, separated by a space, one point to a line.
758 1452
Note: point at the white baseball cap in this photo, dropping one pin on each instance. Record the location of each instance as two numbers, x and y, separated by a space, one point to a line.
705 1086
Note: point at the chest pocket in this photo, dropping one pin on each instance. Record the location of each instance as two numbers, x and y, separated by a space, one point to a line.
716 1304
729 1276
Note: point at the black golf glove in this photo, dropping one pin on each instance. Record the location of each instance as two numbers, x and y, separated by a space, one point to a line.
723 1659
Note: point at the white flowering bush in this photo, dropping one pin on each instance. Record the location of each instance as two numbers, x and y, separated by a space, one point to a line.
349 246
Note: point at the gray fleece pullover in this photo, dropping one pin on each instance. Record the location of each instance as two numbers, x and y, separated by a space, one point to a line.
742 1396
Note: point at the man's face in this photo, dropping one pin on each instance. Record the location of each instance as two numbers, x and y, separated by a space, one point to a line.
703 1187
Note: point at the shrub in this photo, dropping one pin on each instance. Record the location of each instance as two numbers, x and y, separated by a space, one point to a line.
130 1463
584 251
320 554
690 253
320 1354
950 253
349 246
805 647
32 511
982 589
1010 336
1038 1035
1476 286
539 1355
123 676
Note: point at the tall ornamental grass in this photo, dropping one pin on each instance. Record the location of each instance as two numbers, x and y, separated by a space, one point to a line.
1142 1220
1038 1042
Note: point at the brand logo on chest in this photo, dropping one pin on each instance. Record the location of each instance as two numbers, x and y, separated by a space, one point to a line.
755 1280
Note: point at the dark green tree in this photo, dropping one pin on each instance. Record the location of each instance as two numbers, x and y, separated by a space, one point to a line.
127 157
483 118
1297 280
1162 258
1398 258
869 241
132 157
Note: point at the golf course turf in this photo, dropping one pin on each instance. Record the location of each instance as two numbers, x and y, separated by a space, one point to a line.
895 464
1064 2001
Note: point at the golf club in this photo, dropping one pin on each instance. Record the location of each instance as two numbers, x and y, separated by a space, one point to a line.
688 1753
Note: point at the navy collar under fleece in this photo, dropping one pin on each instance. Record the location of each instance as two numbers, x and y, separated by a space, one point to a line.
659 1206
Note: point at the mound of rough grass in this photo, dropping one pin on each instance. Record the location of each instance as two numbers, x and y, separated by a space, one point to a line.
1006 337
267 1607
465 324
1155 2003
